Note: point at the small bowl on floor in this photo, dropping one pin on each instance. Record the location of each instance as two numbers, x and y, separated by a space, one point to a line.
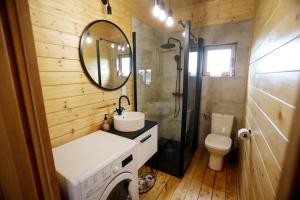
146 183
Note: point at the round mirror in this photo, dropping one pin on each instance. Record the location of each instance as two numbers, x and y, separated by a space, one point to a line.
105 54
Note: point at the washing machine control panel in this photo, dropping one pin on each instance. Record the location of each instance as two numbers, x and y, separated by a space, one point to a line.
95 184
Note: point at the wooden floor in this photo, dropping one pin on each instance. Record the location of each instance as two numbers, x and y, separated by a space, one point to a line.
199 182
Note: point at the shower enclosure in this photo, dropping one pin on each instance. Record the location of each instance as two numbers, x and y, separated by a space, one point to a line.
168 71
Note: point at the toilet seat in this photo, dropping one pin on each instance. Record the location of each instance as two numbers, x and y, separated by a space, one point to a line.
219 142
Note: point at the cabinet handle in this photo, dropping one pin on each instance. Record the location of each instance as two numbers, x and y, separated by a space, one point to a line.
145 138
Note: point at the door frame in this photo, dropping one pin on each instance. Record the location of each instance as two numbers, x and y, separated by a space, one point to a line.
28 170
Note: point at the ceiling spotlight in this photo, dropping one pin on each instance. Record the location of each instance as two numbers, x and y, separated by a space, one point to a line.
127 45
88 38
119 47
170 20
123 48
162 14
112 45
156 8
183 34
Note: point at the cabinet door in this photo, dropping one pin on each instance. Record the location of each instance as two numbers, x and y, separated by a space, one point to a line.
147 145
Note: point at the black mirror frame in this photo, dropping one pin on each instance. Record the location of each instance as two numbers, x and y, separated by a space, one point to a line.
81 40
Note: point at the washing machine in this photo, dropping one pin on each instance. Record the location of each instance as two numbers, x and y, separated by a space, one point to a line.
99 166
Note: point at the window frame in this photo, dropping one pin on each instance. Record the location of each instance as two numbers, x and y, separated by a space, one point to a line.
233 47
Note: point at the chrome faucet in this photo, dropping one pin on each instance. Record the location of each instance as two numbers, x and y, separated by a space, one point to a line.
121 109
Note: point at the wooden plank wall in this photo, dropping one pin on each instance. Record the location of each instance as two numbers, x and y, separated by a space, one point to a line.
200 12
274 78
212 12
74 106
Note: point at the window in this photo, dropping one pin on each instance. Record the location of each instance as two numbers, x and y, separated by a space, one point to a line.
123 65
219 60
193 63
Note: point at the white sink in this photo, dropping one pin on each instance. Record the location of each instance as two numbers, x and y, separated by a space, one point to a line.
129 121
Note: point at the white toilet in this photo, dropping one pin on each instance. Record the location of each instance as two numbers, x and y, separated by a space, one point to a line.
218 142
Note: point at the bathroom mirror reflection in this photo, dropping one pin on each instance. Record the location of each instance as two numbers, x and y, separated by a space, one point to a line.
105 54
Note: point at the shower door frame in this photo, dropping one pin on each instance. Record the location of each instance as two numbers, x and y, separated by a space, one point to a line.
134 69
186 51
199 75
198 88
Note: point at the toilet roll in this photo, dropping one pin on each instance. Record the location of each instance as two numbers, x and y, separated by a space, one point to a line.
244 134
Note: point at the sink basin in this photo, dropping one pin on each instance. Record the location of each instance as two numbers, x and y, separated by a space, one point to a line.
129 121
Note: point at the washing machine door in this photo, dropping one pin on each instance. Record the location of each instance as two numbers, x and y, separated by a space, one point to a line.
120 188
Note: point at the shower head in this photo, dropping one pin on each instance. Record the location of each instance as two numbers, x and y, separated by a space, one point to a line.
168 46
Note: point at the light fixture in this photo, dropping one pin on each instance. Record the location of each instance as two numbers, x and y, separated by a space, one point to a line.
156 8
123 48
108 8
159 12
170 20
127 45
162 14
183 34
88 38
112 45
119 47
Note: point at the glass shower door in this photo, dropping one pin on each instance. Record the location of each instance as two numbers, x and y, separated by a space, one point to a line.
166 92
158 74
169 137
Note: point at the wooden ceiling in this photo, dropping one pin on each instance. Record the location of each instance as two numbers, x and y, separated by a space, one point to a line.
200 12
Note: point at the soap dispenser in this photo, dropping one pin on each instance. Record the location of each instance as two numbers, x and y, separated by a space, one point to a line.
106 125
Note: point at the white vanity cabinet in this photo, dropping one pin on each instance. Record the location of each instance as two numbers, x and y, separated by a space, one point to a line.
146 145
146 139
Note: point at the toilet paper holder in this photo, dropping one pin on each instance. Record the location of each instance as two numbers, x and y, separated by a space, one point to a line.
244 133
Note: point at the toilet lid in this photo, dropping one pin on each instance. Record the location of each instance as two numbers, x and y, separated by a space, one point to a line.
218 141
